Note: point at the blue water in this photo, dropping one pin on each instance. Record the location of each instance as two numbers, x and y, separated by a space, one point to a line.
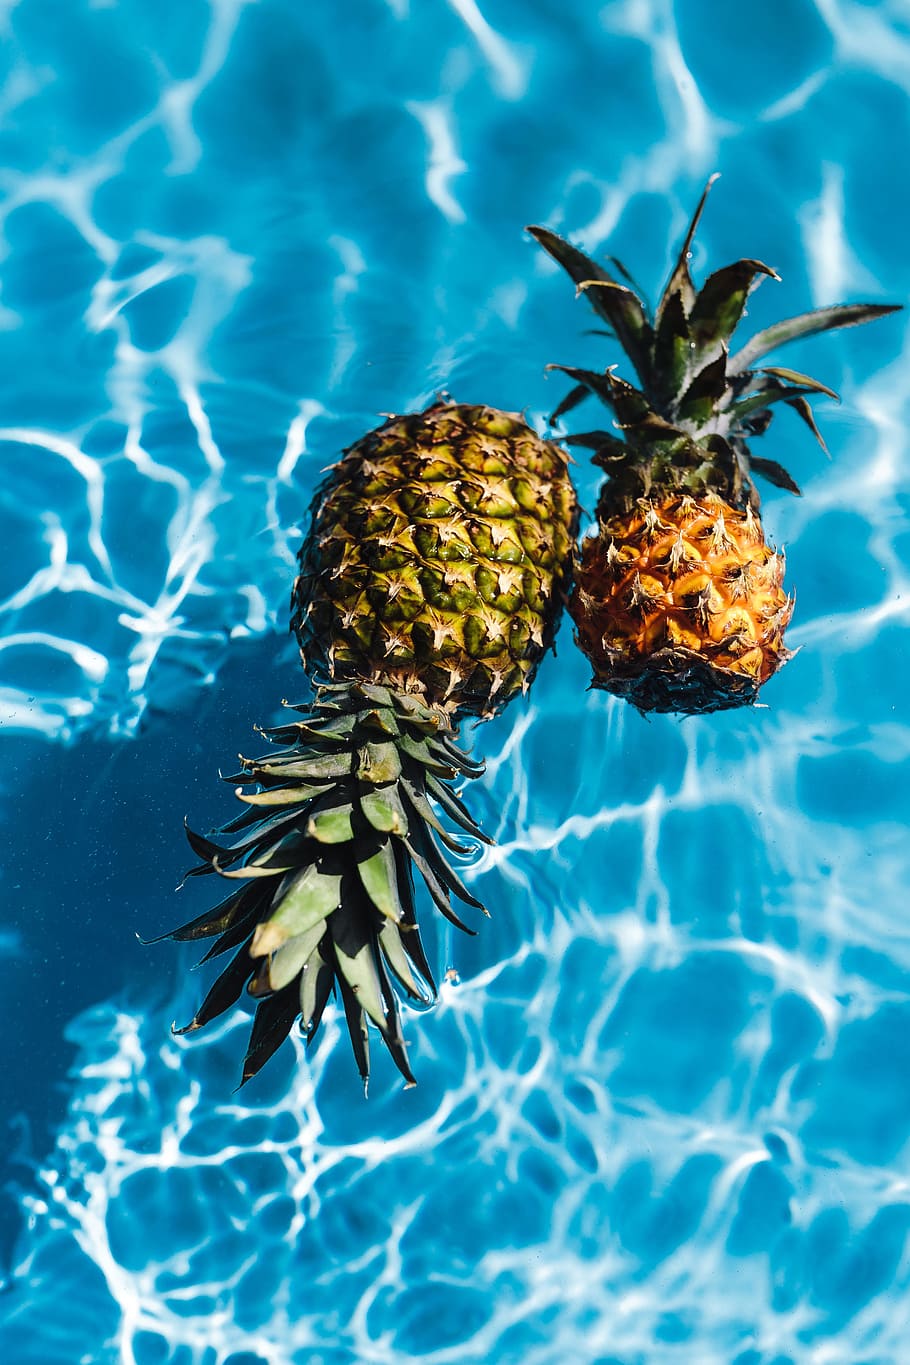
664 1112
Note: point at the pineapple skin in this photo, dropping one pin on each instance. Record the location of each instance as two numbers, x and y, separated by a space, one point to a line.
679 604
438 558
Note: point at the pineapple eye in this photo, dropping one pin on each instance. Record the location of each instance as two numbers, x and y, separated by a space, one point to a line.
646 594
738 579
618 557
704 602
689 589
677 635
679 557
736 629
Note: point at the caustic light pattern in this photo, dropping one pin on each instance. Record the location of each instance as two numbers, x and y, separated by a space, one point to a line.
664 1116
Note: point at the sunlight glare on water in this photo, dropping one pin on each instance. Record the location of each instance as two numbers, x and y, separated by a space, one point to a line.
664 1101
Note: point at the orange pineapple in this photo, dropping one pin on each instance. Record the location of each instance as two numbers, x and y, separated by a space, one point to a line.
679 601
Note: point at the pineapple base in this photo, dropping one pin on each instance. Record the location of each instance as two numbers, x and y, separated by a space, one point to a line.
679 605
676 681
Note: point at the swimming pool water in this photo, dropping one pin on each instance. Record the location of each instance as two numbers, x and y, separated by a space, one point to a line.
664 1109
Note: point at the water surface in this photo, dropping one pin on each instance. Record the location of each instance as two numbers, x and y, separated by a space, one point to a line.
663 1115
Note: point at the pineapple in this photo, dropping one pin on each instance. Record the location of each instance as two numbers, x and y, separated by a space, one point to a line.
679 602
431 583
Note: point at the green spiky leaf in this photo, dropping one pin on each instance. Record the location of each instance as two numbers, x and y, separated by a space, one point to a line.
680 283
310 767
240 931
310 896
607 446
721 300
316 980
256 831
420 716
378 763
272 1024
774 473
380 881
801 406
224 993
755 402
437 889
802 381
279 796
674 351
805 325
703 396
382 696
393 948
628 402
616 304
328 897
421 806
357 1026
332 825
443 749
359 971
210 922
447 876
383 809
455 808
422 753
391 1034
381 721
571 400
287 963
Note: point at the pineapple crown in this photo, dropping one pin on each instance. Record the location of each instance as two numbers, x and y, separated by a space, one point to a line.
325 854
687 423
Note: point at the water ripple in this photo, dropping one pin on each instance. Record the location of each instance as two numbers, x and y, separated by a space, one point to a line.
662 1112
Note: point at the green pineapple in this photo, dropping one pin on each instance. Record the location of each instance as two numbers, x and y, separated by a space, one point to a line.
431 583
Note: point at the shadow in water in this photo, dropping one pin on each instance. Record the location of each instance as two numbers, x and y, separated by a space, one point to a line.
92 849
